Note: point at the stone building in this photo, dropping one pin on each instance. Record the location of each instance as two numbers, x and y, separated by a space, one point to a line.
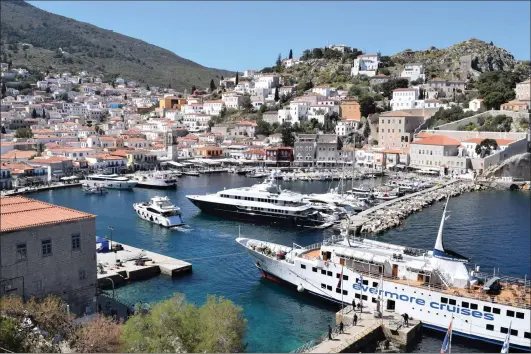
304 150
47 249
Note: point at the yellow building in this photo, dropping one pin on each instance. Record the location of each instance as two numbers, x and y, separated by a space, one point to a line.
350 109
172 102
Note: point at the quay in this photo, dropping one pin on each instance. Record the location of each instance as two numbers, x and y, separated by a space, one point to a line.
26 190
126 264
368 333
389 214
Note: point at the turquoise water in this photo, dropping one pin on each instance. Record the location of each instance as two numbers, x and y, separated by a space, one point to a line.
490 227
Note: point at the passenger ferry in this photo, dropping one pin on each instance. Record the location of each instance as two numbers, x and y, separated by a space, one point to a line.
264 202
431 286
159 211
112 181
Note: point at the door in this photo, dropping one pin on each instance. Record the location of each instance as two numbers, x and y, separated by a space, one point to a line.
395 270
390 305
420 278
342 261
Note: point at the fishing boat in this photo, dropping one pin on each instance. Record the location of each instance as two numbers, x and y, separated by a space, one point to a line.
429 285
159 210
94 189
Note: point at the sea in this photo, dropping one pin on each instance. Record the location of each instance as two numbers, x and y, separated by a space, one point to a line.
490 227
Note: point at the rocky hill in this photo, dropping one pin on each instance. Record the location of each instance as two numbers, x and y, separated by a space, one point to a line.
466 59
41 40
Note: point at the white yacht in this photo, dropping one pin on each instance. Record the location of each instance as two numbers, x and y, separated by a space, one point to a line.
156 179
431 286
263 202
160 211
112 181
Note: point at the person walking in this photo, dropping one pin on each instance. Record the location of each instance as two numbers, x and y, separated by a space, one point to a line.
341 326
354 304
406 319
329 332
355 319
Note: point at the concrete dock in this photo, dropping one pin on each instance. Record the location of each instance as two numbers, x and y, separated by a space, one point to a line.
132 264
367 333
26 190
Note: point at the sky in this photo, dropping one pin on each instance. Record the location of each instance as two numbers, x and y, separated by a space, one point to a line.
242 35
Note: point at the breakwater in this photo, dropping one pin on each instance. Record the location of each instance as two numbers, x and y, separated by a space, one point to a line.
390 214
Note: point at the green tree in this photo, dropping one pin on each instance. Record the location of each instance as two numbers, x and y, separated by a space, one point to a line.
288 139
306 54
317 53
367 106
23 133
389 86
4 89
174 325
496 87
356 91
290 56
277 97
278 63
486 147
193 89
263 127
147 87
237 79
212 86
34 113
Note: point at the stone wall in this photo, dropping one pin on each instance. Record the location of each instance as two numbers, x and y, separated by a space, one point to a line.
474 119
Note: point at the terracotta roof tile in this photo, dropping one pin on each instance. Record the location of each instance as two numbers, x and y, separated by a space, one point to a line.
438 140
19 213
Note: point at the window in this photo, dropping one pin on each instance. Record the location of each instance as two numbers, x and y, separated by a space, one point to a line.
46 247
338 290
329 273
303 266
504 330
82 274
487 309
444 300
329 287
510 313
76 242
514 332
496 310
451 302
465 304
520 315
345 277
364 297
474 306
345 292
527 335
22 252
365 282
374 300
490 327
323 286
323 272
314 269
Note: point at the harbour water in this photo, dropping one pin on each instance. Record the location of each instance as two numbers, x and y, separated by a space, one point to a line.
492 228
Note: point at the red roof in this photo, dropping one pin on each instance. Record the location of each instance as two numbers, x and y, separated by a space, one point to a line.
438 140
500 142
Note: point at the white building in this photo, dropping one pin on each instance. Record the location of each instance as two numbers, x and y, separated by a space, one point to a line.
249 73
365 64
345 127
413 72
404 98
475 105
213 107
323 90
232 100
523 90
298 111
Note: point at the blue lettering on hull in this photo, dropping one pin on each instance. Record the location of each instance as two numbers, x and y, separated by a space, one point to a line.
421 302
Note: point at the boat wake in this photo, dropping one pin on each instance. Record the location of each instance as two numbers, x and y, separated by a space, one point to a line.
182 228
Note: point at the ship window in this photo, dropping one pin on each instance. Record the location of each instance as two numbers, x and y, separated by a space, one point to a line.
314 269
345 277
465 304
374 284
451 301
504 330
520 315
373 300
527 335
329 287
514 332
303 266
345 292
474 306
329 273
490 327
323 272
365 282
323 286
364 297
444 300
510 313
338 290
338 275
487 309
496 310
357 296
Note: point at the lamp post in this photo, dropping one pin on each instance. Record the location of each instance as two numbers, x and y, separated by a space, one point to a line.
111 229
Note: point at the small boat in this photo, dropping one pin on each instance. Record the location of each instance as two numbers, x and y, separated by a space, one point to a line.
159 211
191 173
94 189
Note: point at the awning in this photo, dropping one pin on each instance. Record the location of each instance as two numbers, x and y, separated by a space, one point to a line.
176 164
71 178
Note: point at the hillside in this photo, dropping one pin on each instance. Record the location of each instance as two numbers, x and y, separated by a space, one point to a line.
39 40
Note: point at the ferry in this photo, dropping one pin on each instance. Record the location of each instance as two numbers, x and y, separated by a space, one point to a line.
432 286
159 211
264 202
112 181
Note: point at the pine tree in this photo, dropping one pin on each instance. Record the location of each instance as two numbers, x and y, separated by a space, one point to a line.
9 64
125 97
277 97
290 54
34 114
147 87
279 61
4 89
3 130
222 77
43 113
212 85
236 83
193 89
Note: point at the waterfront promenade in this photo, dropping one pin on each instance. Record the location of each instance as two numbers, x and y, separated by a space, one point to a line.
26 190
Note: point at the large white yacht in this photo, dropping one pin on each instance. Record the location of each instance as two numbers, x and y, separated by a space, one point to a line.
160 211
156 179
432 286
264 202
112 181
